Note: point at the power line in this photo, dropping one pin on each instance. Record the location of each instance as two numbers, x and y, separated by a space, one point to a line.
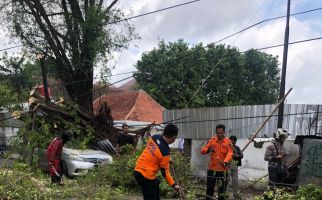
156 11
20 115
278 45
261 22
270 8
242 30
263 48
13 47
213 43
104 87
240 118
83 80
203 81
175 121
115 74
129 18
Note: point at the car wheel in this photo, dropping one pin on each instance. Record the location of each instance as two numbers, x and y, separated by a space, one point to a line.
65 169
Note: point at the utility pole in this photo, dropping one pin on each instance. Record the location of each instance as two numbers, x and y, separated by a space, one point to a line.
282 87
317 120
41 58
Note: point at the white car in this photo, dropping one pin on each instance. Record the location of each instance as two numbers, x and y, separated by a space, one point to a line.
78 162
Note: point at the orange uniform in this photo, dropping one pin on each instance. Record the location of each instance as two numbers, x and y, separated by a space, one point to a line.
222 153
155 156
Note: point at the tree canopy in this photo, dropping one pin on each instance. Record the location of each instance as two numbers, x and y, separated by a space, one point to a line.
75 34
17 77
173 72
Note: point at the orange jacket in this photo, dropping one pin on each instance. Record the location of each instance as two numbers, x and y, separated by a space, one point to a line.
222 152
155 156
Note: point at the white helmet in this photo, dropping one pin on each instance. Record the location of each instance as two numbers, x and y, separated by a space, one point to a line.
281 132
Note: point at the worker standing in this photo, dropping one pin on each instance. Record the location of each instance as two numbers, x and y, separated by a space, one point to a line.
275 154
124 138
234 164
221 153
155 157
53 154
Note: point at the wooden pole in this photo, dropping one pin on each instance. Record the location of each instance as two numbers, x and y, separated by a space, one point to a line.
268 118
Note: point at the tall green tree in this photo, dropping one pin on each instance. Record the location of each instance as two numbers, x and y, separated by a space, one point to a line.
169 80
75 34
179 76
17 78
262 78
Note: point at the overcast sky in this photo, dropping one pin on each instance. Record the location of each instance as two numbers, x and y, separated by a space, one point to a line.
210 20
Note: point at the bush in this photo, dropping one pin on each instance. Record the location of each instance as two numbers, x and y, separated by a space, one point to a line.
20 183
307 192
120 174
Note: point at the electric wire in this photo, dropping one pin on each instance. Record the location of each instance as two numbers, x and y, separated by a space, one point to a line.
155 11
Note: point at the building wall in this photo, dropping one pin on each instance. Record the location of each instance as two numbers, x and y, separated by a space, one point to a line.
6 134
311 162
253 164
8 128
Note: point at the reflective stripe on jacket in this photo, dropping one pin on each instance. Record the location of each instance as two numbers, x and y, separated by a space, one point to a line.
155 156
222 152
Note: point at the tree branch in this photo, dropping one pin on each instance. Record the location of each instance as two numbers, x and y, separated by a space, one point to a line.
100 4
49 34
2 68
111 6
76 11
53 31
55 14
91 3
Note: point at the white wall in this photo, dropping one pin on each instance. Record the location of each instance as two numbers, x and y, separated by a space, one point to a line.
6 133
253 164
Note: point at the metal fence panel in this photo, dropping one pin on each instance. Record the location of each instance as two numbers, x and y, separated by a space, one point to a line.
243 121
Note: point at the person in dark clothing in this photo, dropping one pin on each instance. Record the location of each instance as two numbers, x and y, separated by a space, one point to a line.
124 138
234 164
53 154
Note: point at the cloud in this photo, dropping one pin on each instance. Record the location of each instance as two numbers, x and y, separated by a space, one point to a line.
303 66
209 20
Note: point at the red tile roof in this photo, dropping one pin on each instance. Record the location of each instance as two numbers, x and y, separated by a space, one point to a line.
132 105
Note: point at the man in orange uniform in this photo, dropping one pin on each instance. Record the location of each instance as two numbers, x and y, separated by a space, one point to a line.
221 151
155 156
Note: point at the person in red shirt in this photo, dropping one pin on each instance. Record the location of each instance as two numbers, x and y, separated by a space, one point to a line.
221 153
53 154
156 156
